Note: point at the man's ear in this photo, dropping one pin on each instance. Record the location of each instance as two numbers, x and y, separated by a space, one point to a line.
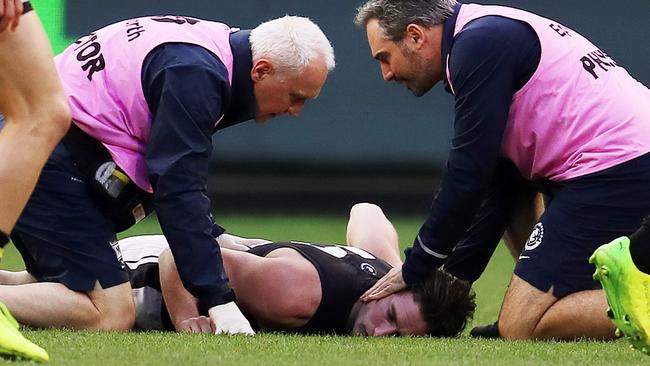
415 35
261 69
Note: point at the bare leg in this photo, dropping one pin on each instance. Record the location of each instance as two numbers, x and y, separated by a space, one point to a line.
370 230
36 113
528 210
528 313
102 309
16 278
585 312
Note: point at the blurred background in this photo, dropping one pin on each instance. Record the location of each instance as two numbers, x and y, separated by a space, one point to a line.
363 139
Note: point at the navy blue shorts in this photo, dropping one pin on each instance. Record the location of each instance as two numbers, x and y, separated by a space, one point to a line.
62 234
582 214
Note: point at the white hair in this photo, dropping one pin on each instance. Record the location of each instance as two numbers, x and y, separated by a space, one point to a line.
292 43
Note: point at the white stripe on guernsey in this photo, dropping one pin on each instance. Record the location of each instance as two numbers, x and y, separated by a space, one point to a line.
431 252
135 264
220 118
448 76
360 252
141 249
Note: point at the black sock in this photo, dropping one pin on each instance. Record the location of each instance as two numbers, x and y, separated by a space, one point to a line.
4 239
486 331
640 247
27 7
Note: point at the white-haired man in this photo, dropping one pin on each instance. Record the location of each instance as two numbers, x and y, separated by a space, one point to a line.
146 96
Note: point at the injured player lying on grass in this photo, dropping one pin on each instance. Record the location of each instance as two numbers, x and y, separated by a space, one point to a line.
301 287
297 287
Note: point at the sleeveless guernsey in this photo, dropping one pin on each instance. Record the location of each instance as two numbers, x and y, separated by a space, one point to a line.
345 273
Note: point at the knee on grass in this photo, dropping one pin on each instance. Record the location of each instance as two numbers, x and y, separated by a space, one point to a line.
509 329
115 313
111 321
515 329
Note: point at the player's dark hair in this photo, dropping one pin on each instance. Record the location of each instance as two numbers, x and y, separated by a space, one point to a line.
446 303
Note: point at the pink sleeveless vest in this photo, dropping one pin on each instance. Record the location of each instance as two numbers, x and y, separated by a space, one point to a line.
101 75
579 113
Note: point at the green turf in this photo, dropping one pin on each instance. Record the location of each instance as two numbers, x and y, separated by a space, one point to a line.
138 348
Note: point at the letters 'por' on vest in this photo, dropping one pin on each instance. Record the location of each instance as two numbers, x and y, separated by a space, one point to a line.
101 76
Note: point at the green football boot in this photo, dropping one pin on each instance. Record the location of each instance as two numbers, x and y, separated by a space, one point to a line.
14 344
627 290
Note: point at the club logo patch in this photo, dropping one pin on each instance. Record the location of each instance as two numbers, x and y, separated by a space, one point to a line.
367 267
536 237
118 252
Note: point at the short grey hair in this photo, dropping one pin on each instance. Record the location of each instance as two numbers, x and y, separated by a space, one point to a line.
292 43
394 15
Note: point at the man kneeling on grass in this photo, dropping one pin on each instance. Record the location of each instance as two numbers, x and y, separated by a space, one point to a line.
298 287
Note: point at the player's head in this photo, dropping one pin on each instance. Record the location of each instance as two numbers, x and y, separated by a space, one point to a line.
291 60
446 303
440 307
402 39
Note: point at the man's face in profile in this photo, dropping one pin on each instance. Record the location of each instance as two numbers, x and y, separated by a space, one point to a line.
397 314
402 62
286 92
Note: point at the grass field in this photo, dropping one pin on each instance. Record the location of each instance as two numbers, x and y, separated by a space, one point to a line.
139 348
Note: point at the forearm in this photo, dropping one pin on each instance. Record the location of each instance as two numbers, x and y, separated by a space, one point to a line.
181 305
437 237
472 254
187 227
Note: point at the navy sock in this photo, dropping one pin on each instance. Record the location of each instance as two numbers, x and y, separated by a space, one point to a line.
27 7
486 331
640 247
4 239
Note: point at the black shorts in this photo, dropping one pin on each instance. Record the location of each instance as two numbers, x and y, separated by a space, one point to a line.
62 234
582 214
27 6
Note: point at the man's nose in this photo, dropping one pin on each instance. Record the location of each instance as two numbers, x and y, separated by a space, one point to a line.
386 72
295 109
385 329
